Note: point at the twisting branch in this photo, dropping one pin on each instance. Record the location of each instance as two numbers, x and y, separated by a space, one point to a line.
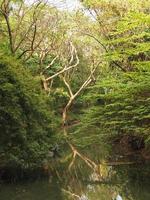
89 79
74 55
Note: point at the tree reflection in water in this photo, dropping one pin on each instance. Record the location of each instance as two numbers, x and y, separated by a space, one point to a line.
127 182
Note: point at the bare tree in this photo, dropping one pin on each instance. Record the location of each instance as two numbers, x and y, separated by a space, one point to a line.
73 63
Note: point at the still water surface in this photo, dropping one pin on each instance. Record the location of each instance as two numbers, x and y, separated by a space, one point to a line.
125 182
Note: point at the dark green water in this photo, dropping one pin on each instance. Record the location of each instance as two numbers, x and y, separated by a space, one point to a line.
130 182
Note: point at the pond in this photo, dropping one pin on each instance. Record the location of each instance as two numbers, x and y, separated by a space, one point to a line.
124 182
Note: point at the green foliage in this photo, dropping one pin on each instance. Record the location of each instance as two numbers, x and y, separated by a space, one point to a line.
25 116
121 106
120 103
129 42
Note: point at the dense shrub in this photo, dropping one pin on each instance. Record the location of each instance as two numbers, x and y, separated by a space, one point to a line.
25 116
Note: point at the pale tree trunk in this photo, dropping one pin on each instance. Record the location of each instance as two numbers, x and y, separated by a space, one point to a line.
65 111
73 63
72 96
66 68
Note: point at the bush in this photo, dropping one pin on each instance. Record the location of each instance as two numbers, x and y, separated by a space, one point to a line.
25 116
